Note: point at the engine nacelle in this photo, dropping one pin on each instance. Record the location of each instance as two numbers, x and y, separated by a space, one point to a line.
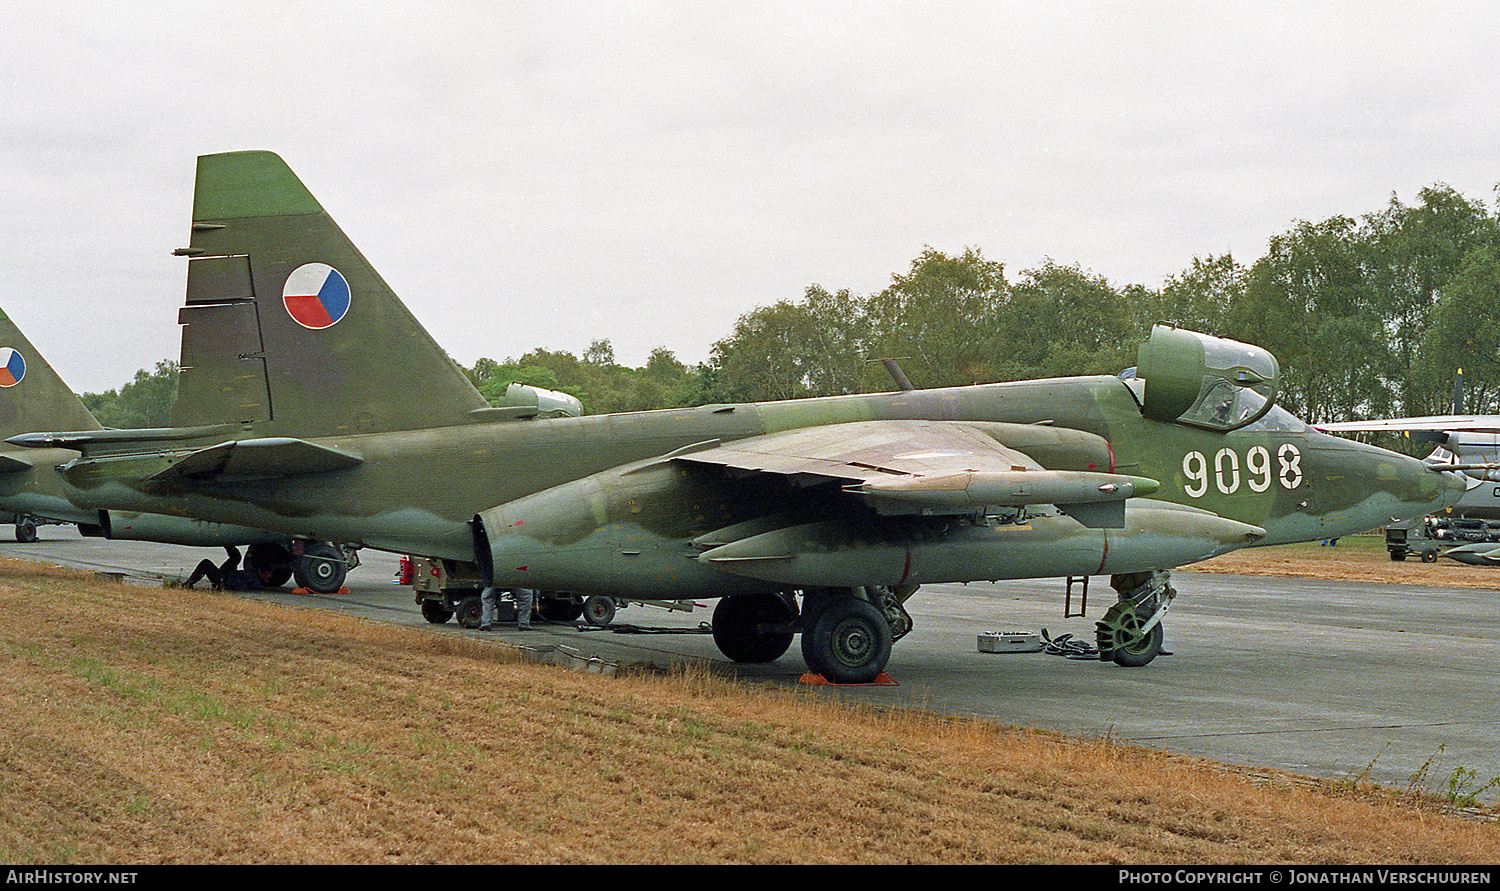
899 553
624 532
660 530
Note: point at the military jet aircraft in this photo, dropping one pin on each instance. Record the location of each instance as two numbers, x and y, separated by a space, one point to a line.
321 409
33 397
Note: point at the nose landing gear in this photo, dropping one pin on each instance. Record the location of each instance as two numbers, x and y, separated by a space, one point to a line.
1130 633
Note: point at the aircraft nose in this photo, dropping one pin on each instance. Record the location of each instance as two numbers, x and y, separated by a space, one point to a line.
1366 487
1421 489
1454 484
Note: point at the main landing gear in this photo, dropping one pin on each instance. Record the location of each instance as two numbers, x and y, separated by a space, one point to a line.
846 632
318 566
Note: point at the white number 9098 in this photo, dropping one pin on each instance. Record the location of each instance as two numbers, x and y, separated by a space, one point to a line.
1226 472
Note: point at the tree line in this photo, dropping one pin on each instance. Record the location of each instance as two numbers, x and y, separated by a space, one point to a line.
1370 316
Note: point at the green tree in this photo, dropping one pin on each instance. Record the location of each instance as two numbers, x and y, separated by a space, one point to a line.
144 402
943 319
1200 297
1307 301
1061 320
1410 253
1465 333
816 347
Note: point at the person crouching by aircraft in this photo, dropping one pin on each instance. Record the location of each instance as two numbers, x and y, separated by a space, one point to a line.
229 576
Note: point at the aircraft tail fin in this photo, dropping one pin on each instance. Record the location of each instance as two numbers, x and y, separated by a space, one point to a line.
288 329
32 396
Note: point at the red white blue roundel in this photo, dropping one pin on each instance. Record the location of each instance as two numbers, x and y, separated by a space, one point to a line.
316 295
12 367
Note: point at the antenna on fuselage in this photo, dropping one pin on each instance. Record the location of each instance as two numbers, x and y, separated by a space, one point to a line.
894 367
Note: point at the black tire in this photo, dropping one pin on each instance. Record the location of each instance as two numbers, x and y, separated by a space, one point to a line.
599 610
26 531
848 643
434 612
1141 652
321 568
470 612
736 627
1398 555
1429 556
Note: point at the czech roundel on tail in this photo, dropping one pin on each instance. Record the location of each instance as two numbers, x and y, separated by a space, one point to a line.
817 518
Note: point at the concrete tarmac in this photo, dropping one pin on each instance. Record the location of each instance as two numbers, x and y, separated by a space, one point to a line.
1397 684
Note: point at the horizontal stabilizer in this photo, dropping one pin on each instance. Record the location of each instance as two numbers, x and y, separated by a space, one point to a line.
257 459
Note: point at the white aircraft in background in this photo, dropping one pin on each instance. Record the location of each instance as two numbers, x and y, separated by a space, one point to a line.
1467 442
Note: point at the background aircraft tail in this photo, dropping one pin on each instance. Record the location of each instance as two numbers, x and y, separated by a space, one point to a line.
32 396
288 329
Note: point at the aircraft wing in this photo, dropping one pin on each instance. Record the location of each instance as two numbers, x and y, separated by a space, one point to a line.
1435 423
926 467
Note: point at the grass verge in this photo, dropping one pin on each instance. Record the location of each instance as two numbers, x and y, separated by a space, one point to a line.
179 726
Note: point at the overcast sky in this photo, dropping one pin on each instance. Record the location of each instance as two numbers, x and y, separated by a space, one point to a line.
550 173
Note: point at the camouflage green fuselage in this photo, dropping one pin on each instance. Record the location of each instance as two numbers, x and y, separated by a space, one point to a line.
419 491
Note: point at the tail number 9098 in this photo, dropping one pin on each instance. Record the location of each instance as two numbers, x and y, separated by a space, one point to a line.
1226 471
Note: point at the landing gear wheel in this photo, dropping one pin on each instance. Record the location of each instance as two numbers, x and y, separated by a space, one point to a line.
738 627
1120 636
470 611
321 568
599 610
26 531
435 612
848 643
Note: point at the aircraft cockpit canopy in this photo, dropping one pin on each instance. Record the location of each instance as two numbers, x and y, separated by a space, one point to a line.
1205 381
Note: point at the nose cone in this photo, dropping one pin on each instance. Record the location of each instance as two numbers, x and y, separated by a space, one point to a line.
1358 487
1454 486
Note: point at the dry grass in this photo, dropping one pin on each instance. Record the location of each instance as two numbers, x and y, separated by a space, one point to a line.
1360 558
176 726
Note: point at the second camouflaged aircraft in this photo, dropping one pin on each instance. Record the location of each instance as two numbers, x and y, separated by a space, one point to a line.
817 517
